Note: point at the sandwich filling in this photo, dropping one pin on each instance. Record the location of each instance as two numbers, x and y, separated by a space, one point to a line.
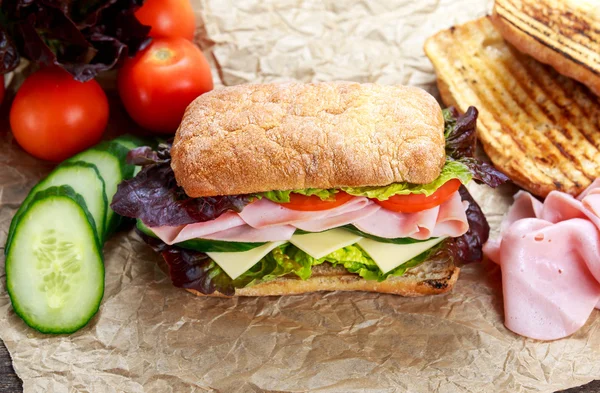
228 242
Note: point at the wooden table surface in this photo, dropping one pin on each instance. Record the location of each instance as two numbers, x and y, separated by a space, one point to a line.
10 383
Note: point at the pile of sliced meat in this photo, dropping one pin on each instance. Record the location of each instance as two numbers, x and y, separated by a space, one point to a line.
263 221
549 254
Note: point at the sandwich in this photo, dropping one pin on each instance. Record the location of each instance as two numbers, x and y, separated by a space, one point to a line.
561 33
280 189
537 126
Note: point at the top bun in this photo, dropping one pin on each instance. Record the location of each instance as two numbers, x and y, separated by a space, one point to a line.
253 138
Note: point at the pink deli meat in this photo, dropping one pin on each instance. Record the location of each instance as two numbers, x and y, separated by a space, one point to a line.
549 254
264 220
264 213
448 219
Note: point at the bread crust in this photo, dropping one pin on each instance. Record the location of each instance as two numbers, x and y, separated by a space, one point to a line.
430 278
536 125
252 138
545 54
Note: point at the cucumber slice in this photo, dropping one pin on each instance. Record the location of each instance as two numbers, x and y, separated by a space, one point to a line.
109 158
131 141
400 240
85 180
54 269
205 245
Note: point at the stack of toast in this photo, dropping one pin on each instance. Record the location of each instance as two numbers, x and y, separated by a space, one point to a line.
537 125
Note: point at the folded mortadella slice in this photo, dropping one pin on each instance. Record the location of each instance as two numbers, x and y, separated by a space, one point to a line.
246 233
548 286
172 235
335 221
448 219
549 254
264 213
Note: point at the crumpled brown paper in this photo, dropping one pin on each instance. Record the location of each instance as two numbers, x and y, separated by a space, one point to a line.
152 337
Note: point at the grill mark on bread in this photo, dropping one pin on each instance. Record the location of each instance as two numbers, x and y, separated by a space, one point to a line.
576 34
567 121
559 127
553 123
525 98
575 112
562 34
554 48
501 102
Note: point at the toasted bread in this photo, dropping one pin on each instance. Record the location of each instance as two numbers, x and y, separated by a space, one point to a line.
252 138
562 33
430 278
540 128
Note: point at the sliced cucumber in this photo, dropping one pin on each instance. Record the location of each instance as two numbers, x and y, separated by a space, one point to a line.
400 240
131 141
85 179
205 245
109 158
54 269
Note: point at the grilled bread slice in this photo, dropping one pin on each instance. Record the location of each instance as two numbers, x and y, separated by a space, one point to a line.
430 278
562 33
541 128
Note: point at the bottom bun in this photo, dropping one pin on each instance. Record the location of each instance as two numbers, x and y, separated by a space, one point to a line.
430 278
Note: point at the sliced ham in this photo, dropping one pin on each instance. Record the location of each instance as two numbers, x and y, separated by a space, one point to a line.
549 254
264 213
171 235
448 219
167 234
452 219
264 220
245 233
335 221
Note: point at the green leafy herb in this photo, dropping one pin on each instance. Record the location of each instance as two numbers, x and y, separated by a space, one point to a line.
284 196
451 170
357 261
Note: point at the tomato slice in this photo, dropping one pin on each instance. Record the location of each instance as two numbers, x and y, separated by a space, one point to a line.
412 203
314 203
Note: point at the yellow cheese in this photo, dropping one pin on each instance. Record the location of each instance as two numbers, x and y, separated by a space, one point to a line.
317 245
237 263
389 256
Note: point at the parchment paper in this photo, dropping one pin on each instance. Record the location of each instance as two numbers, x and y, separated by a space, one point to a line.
152 337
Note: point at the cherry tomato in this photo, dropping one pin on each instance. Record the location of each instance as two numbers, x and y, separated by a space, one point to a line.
161 81
314 203
412 203
53 116
168 18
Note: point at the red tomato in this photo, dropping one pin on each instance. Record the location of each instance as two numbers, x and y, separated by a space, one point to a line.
314 203
168 18
417 202
161 81
54 116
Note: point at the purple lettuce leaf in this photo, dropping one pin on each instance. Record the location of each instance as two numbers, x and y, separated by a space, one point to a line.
83 37
468 247
192 269
154 197
461 141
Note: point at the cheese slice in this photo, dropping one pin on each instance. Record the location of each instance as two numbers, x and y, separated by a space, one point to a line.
317 245
237 263
389 256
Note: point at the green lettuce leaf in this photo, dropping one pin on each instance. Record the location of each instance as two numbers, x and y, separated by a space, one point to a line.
451 170
284 196
357 261
275 264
